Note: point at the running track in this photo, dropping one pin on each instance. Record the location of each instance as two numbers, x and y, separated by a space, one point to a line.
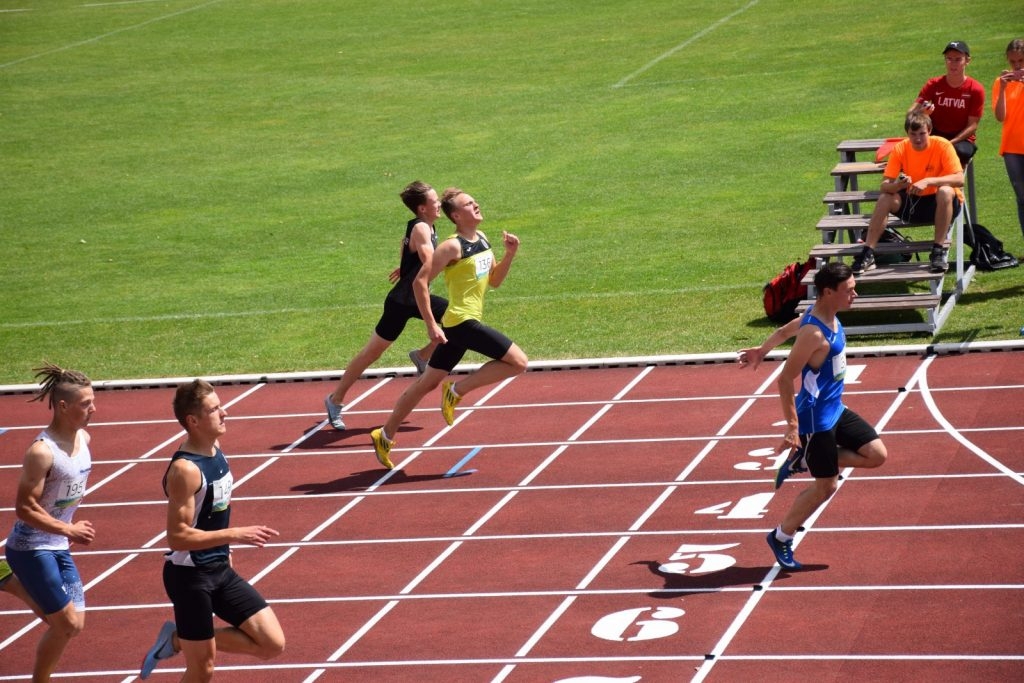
602 522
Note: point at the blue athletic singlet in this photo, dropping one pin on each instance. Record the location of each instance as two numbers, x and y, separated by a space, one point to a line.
62 492
409 267
820 401
212 507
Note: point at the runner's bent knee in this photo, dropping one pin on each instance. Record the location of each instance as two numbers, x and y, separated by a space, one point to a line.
69 622
265 630
516 358
874 453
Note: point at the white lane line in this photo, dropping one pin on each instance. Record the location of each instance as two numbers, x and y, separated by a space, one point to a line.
755 597
452 547
487 516
958 434
156 539
623 539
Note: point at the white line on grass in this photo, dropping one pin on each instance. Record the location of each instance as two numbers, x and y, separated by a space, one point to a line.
122 2
686 43
100 37
213 315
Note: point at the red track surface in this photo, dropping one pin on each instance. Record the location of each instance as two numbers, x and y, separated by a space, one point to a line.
572 546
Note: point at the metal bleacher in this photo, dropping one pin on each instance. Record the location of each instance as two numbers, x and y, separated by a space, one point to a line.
891 287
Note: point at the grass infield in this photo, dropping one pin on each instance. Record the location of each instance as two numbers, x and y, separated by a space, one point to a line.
197 187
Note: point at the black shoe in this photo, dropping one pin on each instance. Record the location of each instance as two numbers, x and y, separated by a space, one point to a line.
865 261
939 259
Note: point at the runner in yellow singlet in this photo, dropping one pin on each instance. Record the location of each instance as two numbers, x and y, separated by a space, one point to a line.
470 269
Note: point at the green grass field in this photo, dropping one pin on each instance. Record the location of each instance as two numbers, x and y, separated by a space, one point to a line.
197 187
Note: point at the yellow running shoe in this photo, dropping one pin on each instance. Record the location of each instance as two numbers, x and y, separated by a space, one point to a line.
5 572
448 401
382 447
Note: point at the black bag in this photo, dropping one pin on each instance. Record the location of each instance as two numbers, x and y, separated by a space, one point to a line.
892 235
987 251
783 294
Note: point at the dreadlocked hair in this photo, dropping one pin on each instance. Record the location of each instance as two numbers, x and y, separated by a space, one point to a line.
57 383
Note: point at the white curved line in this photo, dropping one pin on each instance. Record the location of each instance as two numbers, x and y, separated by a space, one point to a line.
954 432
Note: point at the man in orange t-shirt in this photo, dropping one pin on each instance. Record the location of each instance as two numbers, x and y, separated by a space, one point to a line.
1008 106
921 184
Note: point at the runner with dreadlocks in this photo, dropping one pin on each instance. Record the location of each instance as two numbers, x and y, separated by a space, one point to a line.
50 488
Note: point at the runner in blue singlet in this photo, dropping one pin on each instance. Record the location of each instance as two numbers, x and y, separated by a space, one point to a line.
822 433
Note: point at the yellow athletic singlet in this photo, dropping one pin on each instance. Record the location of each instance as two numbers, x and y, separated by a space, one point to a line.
467 281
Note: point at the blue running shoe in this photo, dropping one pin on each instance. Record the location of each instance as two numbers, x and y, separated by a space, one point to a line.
793 464
783 551
334 414
162 649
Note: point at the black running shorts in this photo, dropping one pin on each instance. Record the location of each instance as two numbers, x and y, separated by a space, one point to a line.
200 592
471 335
396 315
822 448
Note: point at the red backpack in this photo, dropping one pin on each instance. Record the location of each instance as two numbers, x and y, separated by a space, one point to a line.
783 294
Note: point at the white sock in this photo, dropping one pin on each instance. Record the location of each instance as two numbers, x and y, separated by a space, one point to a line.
781 535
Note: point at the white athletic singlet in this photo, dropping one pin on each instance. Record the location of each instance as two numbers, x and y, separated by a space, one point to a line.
62 493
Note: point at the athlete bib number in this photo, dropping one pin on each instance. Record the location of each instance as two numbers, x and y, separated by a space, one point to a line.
222 493
483 264
71 493
839 366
